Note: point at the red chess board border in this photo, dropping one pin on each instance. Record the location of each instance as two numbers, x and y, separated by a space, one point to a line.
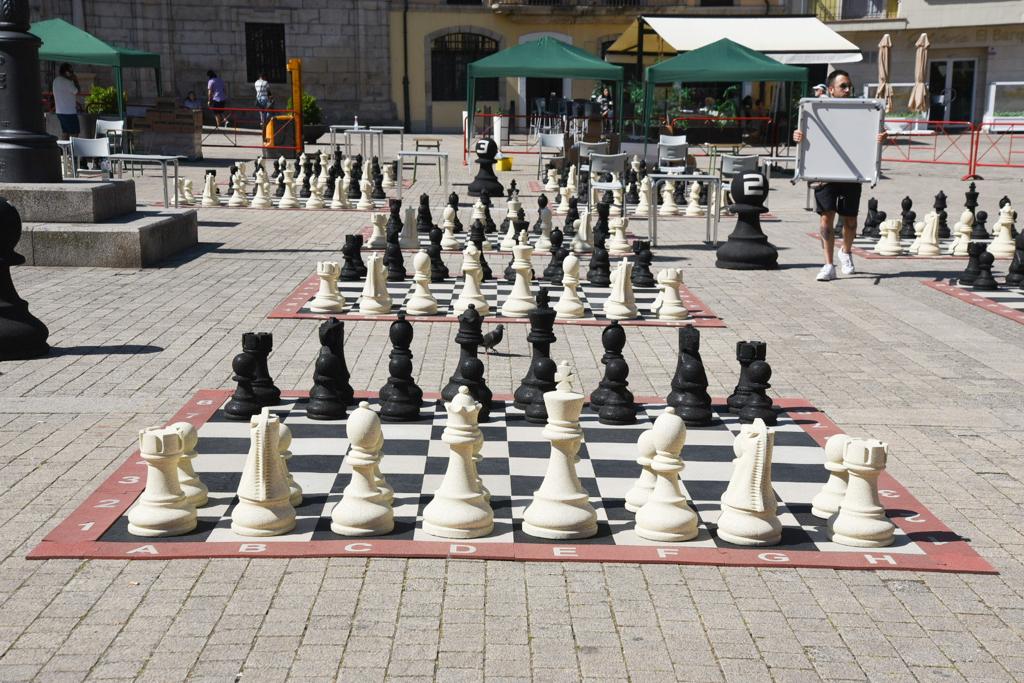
77 536
976 299
291 307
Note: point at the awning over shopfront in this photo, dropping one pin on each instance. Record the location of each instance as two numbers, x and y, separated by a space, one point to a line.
790 40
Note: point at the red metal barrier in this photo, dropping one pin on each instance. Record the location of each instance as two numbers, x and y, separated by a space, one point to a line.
918 141
247 121
996 146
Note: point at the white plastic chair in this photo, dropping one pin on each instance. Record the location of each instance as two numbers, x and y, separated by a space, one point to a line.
89 148
673 158
554 141
607 163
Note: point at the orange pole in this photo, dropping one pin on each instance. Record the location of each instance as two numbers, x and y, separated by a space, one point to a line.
295 69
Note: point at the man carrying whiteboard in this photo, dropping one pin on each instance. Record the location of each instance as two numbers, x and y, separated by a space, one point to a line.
837 198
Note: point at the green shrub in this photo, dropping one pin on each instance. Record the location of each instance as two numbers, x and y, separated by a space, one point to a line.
311 113
102 100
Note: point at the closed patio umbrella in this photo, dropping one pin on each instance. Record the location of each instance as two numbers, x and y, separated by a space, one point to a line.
884 91
919 95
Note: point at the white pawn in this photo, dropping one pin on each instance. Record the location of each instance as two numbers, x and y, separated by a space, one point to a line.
420 300
364 509
365 202
162 509
389 177
668 203
210 197
378 236
408 239
644 485
194 489
315 199
471 277
666 516
375 299
621 304
962 236
563 205
618 197
264 496
479 212
238 198
928 242
668 305
189 197
581 240
288 199
861 520
552 184
644 205
544 241
180 195
617 240
569 306
918 231
328 299
827 501
748 504
511 216
459 509
261 200
340 198
571 182
560 508
693 207
520 300
448 239
284 442
1002 245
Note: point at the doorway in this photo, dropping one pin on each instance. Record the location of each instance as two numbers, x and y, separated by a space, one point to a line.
951 89
542 88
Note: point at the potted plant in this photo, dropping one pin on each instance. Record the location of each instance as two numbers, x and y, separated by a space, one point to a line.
312 118
100 103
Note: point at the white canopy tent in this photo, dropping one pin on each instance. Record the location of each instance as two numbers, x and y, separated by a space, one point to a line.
790 40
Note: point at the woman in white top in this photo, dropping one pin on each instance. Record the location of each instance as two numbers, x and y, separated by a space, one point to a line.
264 100
65 90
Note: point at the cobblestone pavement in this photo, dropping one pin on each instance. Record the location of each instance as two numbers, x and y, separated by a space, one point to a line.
884 356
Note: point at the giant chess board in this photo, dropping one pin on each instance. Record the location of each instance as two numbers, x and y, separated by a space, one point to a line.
494 243
296 305
1006 301
515 457
864 247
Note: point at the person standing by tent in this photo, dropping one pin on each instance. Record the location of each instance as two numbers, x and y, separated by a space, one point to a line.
65 91
217 97
831 199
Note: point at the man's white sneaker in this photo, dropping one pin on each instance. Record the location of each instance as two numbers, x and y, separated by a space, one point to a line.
827 272
846 263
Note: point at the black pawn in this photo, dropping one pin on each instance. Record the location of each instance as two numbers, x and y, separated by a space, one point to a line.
979 232
438 270
689 395
262 344
543 370
473 379
869 218
489 225
378 188
22 335
243 403
601 227
304 191
401 399
1015 273
633 193
393 259
358 256
908 216
984 281
759 404
940 206
746 353
424 221
331 390
618 407
476 236
748 247
944 232
541 337
599 273
453 201
232 170
642 275
613 339
571 217
974 250
349 254
542 203
469 337
394 223
280 186
554 265
679 194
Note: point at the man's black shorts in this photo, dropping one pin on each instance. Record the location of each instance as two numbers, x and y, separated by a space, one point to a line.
843 198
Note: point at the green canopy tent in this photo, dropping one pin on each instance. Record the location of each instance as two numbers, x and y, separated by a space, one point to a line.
64 42
720 61
543 58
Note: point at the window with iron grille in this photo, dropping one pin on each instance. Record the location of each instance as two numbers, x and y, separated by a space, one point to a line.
450 55
264 52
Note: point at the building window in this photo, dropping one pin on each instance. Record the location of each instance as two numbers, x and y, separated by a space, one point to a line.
450 55
264 52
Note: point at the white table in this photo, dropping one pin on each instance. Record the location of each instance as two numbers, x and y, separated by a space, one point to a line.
402 154
710 217
161 159
373 133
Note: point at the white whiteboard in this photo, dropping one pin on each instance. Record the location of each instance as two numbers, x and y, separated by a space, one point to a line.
840 141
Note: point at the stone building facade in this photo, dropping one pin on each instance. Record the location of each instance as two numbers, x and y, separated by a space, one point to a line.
343 45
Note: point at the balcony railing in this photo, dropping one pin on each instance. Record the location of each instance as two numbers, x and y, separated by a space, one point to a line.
846 10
